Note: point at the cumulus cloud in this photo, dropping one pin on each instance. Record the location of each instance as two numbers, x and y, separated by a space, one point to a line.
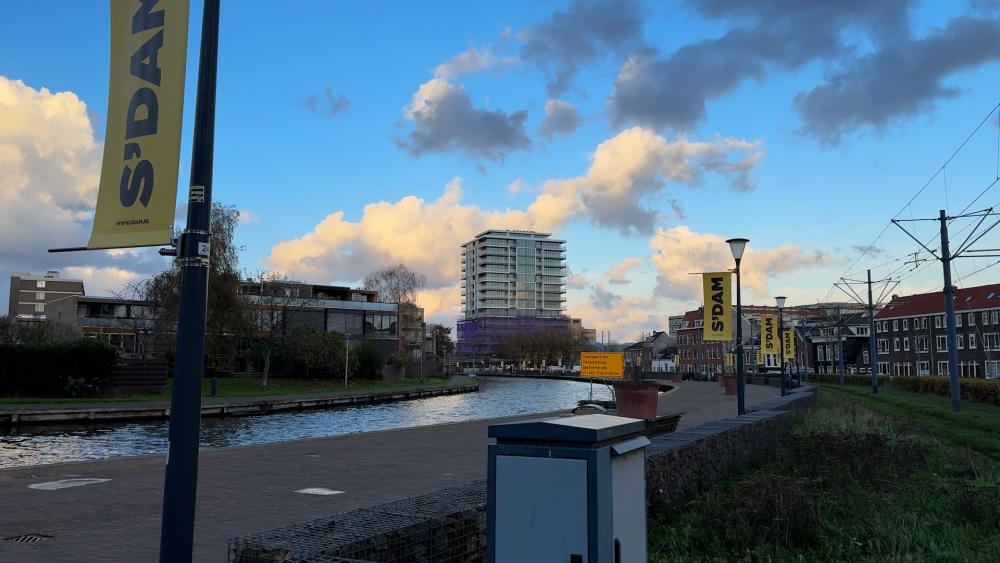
882 72
617 274
50 163
679 251
576 281
471 61
247 216
586 31
445 120
901 80
328 104
517 186
560 118
636 165
602 299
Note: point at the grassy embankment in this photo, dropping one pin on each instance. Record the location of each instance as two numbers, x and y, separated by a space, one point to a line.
891 477
242 387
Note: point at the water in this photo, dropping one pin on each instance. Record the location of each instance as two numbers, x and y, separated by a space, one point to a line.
497 396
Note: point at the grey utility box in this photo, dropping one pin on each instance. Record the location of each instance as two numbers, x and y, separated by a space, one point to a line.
567 490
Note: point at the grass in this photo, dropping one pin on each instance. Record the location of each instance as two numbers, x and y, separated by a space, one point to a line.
895 477
241 387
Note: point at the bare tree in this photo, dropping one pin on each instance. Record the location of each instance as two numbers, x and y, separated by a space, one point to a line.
399 284
145 310
267 306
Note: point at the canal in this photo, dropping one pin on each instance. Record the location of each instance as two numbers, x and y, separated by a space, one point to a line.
497 397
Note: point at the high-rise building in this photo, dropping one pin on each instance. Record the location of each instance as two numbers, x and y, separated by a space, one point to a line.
29 294
512 281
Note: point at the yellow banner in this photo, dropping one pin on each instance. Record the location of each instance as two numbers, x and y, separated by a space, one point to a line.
142 142
760 357
769 334
602 364
730 359
718 323
788 344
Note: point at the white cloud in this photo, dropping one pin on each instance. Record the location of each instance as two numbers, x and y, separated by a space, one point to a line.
618 273
247 216
679 251
471 61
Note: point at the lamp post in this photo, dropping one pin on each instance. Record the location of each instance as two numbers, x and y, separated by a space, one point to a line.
737 246
781 338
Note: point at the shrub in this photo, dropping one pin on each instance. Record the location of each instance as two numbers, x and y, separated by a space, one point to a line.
53 370
849 379
981 390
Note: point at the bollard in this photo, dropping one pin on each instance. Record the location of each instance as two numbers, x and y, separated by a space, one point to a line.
215 386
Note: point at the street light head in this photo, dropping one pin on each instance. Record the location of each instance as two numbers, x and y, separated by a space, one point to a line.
780 301
737 245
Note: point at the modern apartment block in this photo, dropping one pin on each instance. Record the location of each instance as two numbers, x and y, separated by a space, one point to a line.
512 281
29 294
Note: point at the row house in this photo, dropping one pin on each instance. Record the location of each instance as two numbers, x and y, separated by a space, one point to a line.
820 350
911 333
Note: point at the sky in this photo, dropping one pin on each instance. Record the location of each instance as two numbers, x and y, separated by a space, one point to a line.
356 135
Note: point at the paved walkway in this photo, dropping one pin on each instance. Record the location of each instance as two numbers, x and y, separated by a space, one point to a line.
249 489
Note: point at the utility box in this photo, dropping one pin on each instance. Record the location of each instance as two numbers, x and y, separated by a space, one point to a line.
567 490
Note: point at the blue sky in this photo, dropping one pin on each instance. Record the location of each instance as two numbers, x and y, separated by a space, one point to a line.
804 127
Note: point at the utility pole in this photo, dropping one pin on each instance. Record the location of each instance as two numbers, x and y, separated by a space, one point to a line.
949 314
840 345
872 350
181 483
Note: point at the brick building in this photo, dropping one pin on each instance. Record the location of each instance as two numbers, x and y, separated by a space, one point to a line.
911 333
30 294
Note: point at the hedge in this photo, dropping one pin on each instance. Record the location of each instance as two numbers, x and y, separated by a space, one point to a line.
65 369
973 389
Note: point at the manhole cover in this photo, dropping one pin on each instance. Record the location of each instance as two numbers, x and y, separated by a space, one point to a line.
28 538
65 483
318 491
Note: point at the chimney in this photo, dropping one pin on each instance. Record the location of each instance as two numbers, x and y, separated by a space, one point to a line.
894 297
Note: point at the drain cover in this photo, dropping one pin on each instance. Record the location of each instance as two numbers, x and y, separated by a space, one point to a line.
318 491
28 538
65 483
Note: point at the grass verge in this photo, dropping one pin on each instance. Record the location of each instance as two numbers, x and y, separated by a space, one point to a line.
895 477
240 387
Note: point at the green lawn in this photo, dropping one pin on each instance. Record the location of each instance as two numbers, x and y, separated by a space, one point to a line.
892 477
240 387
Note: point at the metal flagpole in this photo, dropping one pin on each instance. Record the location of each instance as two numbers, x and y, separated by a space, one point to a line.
180 487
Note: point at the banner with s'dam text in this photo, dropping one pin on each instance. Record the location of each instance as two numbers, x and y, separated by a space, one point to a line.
718 323
138 190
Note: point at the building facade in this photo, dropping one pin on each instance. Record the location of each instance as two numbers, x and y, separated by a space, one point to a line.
911 333
512 281
30 294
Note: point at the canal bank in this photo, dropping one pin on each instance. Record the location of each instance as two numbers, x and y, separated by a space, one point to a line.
215 407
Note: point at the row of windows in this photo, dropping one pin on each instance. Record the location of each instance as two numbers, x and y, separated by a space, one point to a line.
991 342
965 369
986 317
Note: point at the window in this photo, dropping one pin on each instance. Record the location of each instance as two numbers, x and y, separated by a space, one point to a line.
906 344
992 369
942 369
895 326
863 331
923 344
39 307
972 341
865 358
960 342
958 319
942 343
40 284
40 296
906 324
986 317
883 368
972 319
991 341
820 354
924 368
923 322
883 345
937 322
995 317
895 345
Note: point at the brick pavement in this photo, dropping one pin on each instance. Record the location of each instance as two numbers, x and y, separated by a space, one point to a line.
247 489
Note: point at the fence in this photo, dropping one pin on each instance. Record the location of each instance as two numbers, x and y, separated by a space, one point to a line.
136 377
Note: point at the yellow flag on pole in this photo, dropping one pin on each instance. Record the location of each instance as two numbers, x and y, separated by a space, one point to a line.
718 322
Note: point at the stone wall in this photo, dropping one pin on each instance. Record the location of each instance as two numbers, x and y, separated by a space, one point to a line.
449 526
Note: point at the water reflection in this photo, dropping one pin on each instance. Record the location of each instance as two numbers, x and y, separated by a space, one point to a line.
34 445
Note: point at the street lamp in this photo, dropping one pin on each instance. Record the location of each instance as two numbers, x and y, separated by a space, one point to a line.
737 246
781 339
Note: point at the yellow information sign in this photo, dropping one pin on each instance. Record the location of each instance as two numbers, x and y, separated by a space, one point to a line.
602 364
730 359
142 141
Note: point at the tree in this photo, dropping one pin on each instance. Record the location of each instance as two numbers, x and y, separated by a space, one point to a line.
267 307
399 284
145 307
444 345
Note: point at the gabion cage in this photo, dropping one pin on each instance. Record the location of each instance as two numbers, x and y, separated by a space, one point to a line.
445 526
